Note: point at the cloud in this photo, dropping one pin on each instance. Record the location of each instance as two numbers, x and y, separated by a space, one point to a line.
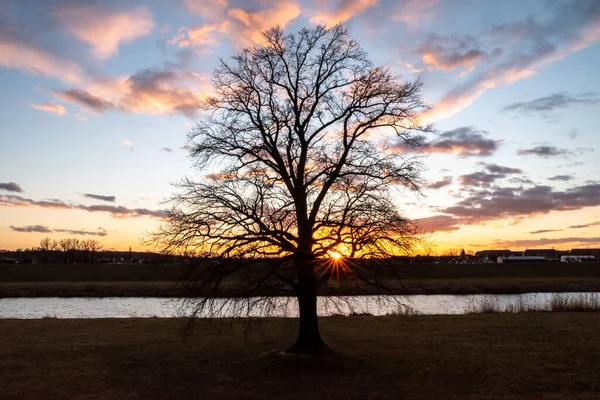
544 231
45 229
571 26
482 179
465 142
446 181
11 187
80 117
22 54
450 53
546 242
50 107
415 12
115 211
584 225
84 99
345 10
81 232
149 91
103 28
505 203
110 199
208 9
563 178
166 149
244 28
31 228
438 223
545 105
498 169
544 151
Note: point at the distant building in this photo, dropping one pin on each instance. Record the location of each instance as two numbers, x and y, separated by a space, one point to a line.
548 254
493 254
585 252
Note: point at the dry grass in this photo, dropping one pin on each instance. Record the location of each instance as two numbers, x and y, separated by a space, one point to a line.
503 356
580 302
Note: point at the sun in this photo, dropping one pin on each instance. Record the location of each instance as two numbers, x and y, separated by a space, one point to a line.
334 254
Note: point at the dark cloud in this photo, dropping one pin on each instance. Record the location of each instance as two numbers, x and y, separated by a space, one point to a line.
446 181
115 211
544 231
111 199
11 187
31 228
85 99
544 151
101 232
562 178
584 225
498 169
449 53
546 242
438 223
550 103
502 203
45 229
481 179
464 141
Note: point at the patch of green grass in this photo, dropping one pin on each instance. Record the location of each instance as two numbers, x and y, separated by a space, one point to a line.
499 356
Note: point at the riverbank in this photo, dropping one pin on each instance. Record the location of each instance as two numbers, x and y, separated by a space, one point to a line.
409 287
506 356
137 280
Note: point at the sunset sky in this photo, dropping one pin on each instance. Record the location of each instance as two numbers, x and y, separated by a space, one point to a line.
97 98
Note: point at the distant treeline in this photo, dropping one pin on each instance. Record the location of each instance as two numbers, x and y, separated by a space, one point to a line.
75 251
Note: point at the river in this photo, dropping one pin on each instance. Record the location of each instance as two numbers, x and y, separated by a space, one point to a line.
144 307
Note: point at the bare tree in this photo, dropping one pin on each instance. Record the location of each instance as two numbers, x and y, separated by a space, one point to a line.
92 246
46 247
295 172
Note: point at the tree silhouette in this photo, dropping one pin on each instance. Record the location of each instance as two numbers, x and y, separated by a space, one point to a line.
294 171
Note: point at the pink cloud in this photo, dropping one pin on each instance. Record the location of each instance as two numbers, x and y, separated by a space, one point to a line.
51 108
343 12
105 29
414 12
14 54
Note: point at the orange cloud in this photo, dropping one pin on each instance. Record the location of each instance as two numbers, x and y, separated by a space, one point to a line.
14 54
243 27
50 107
343 12
150 91
248 26
104 29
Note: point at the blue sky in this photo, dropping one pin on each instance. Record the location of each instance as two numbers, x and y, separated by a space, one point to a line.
98 97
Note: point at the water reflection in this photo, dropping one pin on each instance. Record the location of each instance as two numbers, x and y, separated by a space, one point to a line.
139 307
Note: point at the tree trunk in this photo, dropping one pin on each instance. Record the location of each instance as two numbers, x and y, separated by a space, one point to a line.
309 339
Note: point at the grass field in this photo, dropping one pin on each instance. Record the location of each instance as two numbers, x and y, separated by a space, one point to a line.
128 280
487 356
